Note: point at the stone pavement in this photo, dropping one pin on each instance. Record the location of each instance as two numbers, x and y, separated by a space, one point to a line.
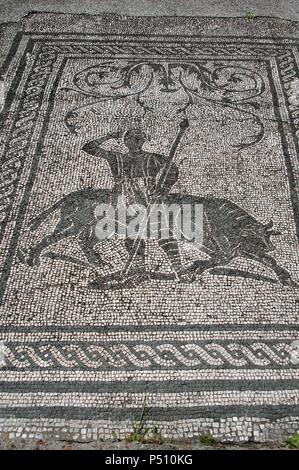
14 10
122 445
186 111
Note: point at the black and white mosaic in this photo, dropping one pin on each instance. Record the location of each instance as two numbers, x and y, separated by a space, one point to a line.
89 329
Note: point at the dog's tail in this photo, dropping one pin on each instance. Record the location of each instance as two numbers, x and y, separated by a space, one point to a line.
36 222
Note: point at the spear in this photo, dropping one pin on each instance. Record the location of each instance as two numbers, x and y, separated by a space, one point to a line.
160 183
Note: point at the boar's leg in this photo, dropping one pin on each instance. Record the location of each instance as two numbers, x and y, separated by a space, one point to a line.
267 260
34 252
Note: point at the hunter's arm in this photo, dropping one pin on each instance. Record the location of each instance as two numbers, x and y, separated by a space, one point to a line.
94 146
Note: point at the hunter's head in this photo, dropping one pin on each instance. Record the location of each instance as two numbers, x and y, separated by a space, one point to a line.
134 140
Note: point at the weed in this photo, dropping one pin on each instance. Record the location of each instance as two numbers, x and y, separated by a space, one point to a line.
115 437
293 441
207 440
250 16
142 433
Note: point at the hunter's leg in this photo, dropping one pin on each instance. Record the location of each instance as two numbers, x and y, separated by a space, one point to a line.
171 249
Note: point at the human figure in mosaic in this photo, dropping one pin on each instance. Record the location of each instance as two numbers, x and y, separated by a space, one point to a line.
144 178
135 175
